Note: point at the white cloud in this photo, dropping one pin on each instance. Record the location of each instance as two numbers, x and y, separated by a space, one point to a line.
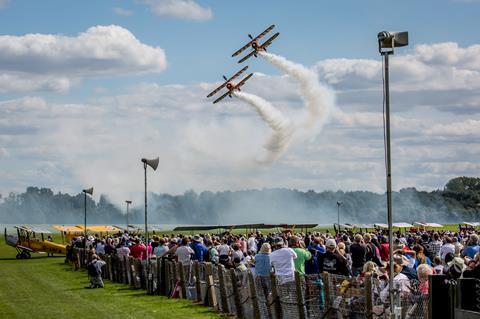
213 147
122 12
53 62
183 9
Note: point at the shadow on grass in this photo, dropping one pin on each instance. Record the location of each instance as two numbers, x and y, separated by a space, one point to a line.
33 258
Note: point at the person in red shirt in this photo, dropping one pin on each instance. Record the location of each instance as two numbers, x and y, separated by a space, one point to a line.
138 250
384 248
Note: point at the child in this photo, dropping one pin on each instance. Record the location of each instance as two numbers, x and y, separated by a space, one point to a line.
437 263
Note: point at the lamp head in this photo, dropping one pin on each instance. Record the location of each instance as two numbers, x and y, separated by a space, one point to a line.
128 201
339 203
88 191
153 163
390 40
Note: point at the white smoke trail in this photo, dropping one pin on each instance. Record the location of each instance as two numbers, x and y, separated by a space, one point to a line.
281 125
319 99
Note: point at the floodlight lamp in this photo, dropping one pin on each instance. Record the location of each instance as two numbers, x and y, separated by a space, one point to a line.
339 203
153 163
128 201
88 191
391 40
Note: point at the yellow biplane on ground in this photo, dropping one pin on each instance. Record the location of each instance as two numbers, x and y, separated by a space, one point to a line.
69 232
30 239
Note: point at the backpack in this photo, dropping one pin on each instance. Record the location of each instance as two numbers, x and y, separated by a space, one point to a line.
92 269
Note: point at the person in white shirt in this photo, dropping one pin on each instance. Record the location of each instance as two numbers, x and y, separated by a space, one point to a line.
184 253
448 247
252 244
400 281
123 250
282 261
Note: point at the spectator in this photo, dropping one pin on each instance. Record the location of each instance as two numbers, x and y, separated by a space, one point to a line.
282 260
199 248
94 269
224 252
184 253
303 255
263 266
448 247
332 261
161 249
358 252
472 247
437 265
423 272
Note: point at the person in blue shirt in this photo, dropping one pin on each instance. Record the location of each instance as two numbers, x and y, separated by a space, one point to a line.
262 261
199 248
472 247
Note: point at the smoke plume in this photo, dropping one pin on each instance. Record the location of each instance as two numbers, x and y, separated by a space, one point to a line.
319 99
281 125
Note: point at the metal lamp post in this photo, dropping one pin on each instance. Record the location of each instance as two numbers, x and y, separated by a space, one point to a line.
339 203
387 41
128 203
85 192
153 163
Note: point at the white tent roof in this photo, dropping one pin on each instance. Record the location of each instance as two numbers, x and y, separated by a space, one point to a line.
380 225
433 225
473 224
402 225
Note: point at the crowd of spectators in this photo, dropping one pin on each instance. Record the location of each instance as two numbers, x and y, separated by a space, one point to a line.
417 253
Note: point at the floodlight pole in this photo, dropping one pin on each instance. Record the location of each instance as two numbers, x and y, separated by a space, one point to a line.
146 225
385 54
153 163
128 203
338 215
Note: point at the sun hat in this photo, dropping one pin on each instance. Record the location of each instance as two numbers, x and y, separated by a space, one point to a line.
278 241
197 238
401 260
331 243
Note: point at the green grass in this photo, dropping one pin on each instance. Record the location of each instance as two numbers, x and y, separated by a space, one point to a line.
44 287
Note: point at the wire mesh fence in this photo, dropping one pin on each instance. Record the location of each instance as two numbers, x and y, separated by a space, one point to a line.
245 295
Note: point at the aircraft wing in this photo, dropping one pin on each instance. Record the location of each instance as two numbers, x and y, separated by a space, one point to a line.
269 41
242 49
253 40
218 89
242 82
247 56
238 73
222 97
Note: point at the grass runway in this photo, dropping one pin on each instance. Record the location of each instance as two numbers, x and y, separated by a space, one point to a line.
44 287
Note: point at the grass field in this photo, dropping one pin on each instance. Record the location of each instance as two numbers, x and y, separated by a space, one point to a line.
44 287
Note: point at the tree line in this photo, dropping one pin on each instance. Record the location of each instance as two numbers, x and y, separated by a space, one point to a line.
458 201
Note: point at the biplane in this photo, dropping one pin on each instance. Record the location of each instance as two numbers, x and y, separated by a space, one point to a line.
255 45
30 239
231 86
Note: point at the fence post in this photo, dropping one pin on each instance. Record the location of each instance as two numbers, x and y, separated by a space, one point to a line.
125 270
182 280
209 273
159 271
198 289
276 300
368 296
223 289
211 291
253 295
236 294
163 277
131 270
298 286
110 268
326 287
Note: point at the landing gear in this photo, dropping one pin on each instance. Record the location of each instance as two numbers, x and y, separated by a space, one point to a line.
23 255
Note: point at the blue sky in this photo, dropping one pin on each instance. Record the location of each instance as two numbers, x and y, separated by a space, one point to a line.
132 75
